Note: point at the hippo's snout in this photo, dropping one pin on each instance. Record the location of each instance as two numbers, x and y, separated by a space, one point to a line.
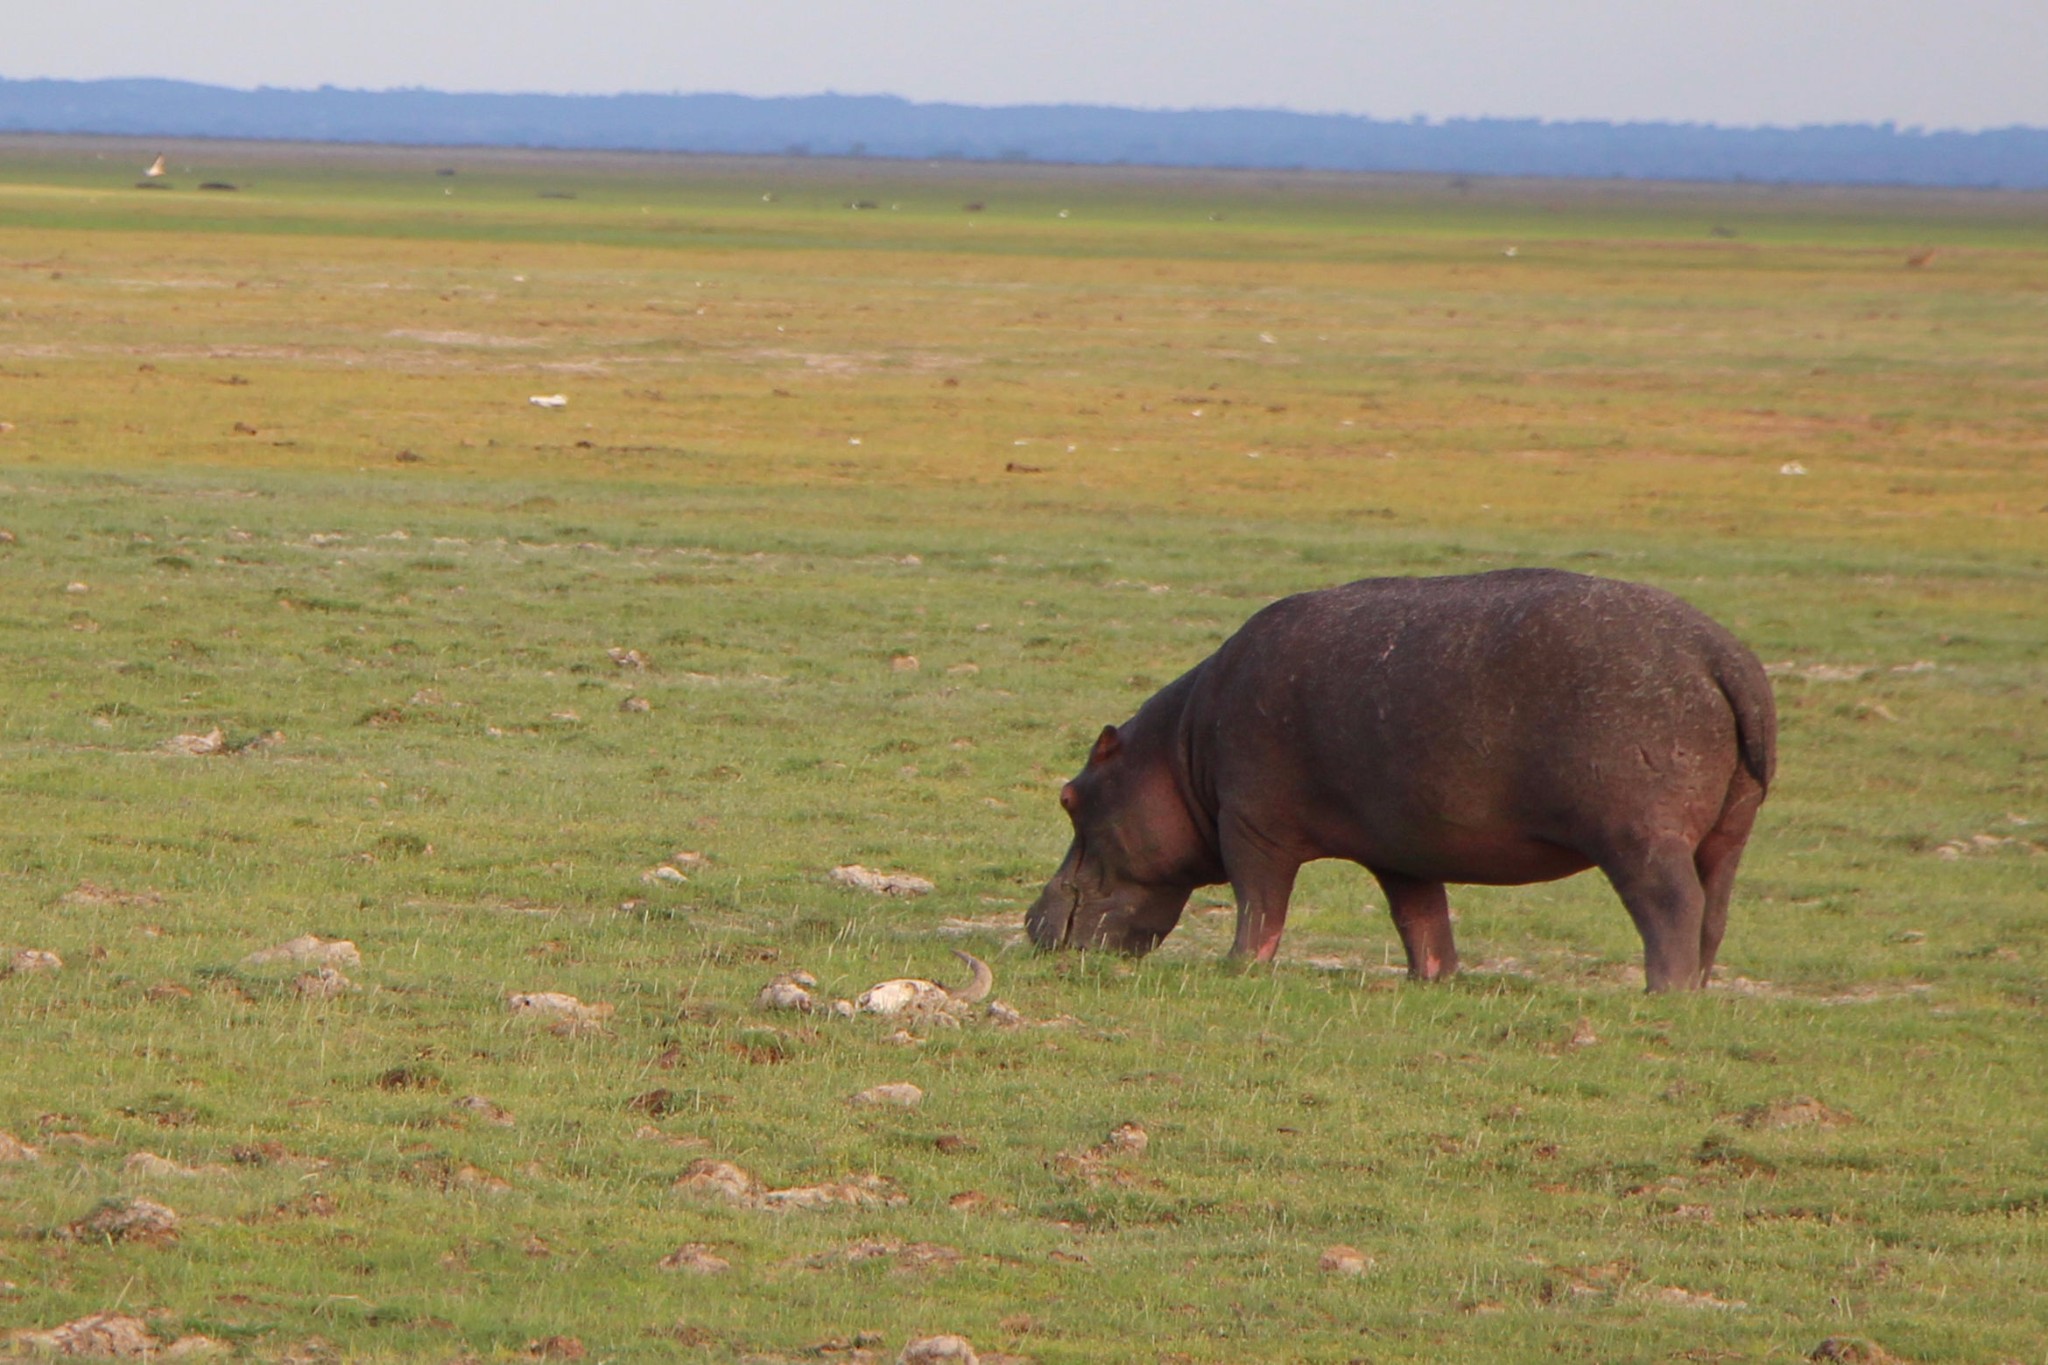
1121 916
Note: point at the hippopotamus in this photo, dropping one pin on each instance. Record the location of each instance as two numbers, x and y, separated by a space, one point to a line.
1496 729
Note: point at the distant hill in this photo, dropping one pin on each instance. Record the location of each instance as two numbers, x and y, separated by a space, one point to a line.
840 125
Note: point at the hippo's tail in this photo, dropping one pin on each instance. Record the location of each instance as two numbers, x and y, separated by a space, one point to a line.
1747 687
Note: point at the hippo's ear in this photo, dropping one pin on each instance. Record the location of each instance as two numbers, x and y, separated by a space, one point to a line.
1107 746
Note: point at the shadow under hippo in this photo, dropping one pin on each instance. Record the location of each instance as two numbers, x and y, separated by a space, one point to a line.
1499 728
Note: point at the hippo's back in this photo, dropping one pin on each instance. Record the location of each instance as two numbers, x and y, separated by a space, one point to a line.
1532 698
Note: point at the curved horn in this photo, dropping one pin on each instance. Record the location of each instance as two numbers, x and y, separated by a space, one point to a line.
979 985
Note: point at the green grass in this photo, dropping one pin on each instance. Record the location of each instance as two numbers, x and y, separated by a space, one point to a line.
455 788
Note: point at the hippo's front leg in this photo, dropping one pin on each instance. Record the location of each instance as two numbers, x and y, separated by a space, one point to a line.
1263 879
1422 916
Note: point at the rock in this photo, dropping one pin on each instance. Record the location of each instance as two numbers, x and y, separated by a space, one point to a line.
555 1348
627 658
324 984
690 860
843 1009
1002 1016
721 1178
308 950
1800 1112
149 1164
486 1110
186 1347
863 1191
467 1177
556 1005
695 1258
939 1350
1582 1034
896 1095
881 883
787 992
1853 1351
664 873
129 1220
29 960
107 1335
1344 1260
638 706
1685 1298
13 1149
197 746
1126 1137
904 663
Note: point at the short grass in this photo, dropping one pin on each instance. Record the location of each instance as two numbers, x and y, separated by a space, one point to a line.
270 468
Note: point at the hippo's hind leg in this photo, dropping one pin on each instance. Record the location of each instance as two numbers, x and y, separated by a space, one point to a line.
1716 860
1659 884
1422 916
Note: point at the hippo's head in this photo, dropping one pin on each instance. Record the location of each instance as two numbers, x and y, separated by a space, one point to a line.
1133 862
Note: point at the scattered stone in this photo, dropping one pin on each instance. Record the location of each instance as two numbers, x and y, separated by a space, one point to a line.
1344 1260
1125 1138
881 883
13 1149
129 1220
106 1335
737 1185
556 1005
486 1110
843 1009
197 746
30 960
467 1177
896 1095
150 1165
664 873
638 706
308 950
733 1183
904 663
75 588
325 984
1582 1034
627 658
1686 1298
790 991
863 1191
1802 1111
92 893
555 1348
696 1258
939 1350
1853 1351
1002 1016
907 1256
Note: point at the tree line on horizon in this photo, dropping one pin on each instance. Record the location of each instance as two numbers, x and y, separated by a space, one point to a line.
886 126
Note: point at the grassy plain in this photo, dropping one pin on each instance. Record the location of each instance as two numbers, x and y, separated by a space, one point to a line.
269 467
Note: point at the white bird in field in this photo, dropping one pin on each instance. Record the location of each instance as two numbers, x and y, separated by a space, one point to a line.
156 167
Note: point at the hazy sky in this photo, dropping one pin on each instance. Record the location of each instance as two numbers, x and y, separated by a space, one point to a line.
1936 63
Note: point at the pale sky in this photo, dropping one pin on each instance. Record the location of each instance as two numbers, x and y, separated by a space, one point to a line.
1931 63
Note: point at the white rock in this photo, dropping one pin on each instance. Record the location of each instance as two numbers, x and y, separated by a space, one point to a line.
894 1095
549 400
881 883
34 960
308 950
939 1350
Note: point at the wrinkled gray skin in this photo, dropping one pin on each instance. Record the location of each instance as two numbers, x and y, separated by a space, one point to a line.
1500 729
